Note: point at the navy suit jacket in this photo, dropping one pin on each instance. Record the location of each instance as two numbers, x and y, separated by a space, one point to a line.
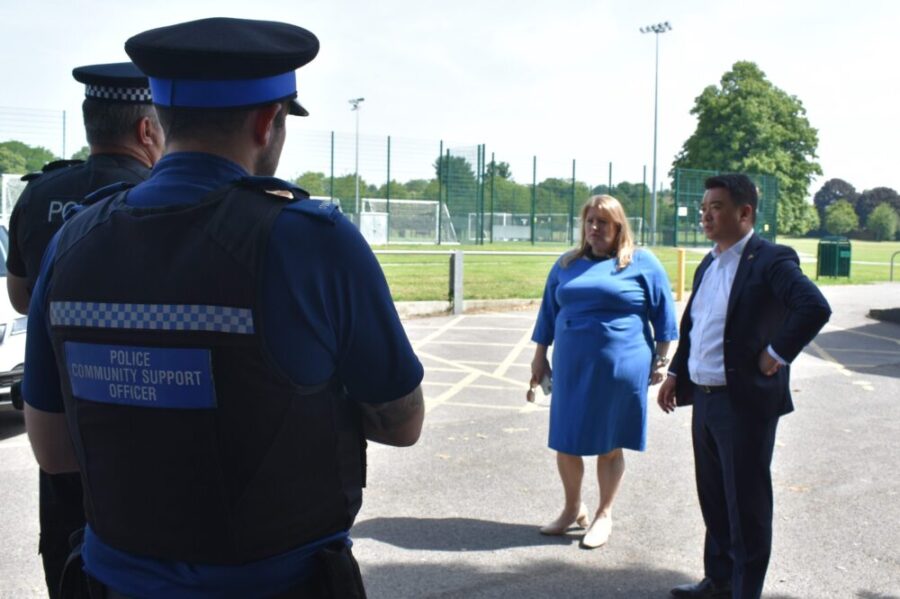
771 302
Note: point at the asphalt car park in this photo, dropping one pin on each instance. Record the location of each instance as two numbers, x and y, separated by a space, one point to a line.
457 514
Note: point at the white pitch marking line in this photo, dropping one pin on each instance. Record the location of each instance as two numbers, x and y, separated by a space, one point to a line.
437 333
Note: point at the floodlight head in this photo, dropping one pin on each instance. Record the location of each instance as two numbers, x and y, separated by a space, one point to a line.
355 102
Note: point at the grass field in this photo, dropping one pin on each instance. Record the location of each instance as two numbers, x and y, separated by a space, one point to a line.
425 277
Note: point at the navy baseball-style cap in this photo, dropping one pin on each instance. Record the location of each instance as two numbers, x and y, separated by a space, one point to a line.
223 63
120 82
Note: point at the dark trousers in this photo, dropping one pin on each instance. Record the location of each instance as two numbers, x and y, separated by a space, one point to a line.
732 458
61 514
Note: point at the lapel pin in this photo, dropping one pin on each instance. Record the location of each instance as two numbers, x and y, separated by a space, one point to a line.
750 257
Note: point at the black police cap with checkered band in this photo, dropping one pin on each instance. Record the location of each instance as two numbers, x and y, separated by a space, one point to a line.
120 82
223 63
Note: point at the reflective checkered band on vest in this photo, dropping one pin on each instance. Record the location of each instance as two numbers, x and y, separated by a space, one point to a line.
119 94
154 317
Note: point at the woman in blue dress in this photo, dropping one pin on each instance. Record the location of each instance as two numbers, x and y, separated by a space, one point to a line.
608 308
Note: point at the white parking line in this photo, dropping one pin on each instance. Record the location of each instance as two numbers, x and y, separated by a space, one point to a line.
524 342
437 333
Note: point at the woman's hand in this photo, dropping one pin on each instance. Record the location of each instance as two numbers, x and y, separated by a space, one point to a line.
656 377
539 367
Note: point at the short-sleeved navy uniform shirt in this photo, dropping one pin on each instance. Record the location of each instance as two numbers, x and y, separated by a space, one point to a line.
38 213
328 311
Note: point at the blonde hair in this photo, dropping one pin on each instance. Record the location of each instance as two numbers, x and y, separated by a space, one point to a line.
623 244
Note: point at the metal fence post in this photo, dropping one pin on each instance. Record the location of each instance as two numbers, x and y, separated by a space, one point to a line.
644 208
570 231
675 217
456 281
493 174
331 186
533 195
440 178
388 189
609 187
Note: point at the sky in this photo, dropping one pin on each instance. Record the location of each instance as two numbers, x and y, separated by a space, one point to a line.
560 80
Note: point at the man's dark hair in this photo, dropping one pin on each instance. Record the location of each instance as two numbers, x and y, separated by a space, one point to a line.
111 123
209 123
740 188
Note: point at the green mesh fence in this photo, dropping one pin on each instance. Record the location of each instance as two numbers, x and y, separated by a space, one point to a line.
680 224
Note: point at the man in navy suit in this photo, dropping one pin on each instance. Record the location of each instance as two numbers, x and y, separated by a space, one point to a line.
750 314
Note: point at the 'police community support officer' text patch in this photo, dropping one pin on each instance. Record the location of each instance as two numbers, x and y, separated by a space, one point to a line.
145 376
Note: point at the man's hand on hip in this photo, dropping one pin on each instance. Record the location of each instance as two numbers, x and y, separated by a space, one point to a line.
767 364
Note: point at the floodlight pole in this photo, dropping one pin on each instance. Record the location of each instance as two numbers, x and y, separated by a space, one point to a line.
355 102
655 29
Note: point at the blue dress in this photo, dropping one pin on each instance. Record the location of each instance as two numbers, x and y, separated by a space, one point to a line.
600 319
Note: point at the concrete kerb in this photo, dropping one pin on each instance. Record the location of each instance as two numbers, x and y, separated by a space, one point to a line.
438 308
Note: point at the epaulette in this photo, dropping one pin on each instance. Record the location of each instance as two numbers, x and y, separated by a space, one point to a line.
104 192
30 176
58 164
274 186
320 210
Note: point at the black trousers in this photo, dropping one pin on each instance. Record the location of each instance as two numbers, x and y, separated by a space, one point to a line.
61 514
732 458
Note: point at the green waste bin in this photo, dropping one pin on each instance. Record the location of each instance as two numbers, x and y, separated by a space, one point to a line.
833 257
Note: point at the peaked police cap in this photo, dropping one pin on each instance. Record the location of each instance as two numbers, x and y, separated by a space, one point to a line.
223 63
120 82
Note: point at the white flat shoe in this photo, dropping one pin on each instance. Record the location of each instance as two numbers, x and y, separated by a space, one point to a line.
598 533
560 527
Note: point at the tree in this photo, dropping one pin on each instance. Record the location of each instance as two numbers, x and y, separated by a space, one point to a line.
832 191
873 197
11 162
749 125
498 169
35 157
883 222
459 183
82 154
314 183
840 218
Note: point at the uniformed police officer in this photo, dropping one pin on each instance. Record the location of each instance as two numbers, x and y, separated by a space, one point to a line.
219 352
125 141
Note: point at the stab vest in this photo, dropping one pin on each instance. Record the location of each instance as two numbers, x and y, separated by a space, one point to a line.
193 444
59 186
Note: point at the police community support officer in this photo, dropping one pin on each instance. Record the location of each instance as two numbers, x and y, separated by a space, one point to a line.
221 351
125 140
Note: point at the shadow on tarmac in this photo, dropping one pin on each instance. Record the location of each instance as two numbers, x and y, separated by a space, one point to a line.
532 580
456 534
870 349
11 423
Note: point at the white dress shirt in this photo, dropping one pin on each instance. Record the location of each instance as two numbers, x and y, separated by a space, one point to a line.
706 361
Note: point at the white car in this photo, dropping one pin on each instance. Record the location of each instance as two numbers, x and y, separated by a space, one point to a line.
12 332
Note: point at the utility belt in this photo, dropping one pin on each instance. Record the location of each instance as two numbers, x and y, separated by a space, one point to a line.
335 575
